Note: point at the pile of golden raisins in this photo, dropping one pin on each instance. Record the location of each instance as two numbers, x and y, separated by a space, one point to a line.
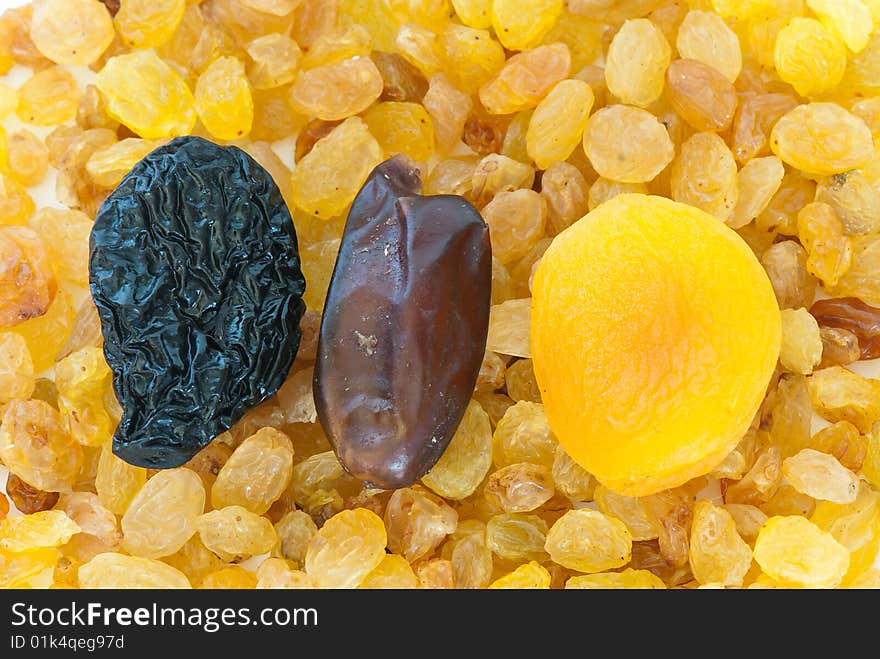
762 113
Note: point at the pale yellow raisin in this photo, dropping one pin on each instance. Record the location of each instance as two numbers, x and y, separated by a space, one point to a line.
588 541
795 552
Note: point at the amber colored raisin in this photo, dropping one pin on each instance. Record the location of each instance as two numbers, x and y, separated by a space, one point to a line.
402 81
701 95
26 498
839 347
27 280
852 314
308 136
485 133
755 117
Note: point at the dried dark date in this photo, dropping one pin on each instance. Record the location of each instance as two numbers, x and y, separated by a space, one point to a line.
195 273
850 313
404 327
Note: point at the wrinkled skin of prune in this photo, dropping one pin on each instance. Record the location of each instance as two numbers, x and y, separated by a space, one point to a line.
195 272
404 327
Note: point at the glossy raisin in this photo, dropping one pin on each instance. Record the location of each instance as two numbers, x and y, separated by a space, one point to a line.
195 272
27 498
852 314
413 273
402 81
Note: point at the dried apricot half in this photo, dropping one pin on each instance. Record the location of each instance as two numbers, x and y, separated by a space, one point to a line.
655 332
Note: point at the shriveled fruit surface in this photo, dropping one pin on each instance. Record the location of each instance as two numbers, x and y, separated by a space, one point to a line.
648 439
654 336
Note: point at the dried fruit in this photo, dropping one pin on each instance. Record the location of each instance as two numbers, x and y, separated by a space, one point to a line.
401 80
235 533
162 515
328 177
148 23
28 499
530 575
27 281
822 138
349 546
73 32
523 435
16 205
702 96
497 173
396 432
570 478
112 570
402 127
636 62
16 368
135 100
295 530
795 552
627 579
757 182
820 476
851 314
705 37
627 144
167 420
108 165
764 115
558 123
232 577
851 20
449 109
417 522
632 511
273 62
223 99
809 57
117 482
516 221
841 395
520 487
755 117
49 97
522 24
392 572
801 348
473 56
839 347
564 306
565 190
822 234
588 541
336 90
466 460
786 265
81 380
717 552
49 528
525 79
36 446
517 537
257 472
854 199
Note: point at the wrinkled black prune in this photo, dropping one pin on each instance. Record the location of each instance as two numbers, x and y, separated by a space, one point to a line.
195 272
404 327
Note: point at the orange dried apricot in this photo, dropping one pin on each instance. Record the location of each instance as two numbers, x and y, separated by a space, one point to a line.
654 335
